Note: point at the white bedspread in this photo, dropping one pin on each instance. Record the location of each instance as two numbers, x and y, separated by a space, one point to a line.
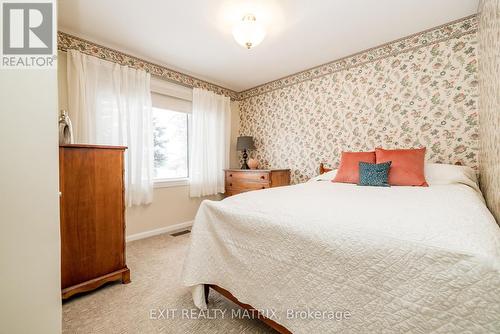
399 259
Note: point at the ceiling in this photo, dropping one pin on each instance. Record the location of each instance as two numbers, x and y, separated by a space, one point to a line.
194 36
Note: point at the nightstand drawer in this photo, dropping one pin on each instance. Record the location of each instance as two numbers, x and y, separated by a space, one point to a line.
230 191
247 186
247 176
243 180
241 183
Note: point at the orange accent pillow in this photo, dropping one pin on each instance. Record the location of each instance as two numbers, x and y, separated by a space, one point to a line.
349 166
407 167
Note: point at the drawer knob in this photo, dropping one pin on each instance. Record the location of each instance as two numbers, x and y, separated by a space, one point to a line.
230 184
263 187
230 175
262 177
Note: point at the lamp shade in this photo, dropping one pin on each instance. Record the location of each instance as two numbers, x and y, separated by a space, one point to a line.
244 143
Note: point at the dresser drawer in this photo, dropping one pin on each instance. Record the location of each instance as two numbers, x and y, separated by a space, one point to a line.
247 176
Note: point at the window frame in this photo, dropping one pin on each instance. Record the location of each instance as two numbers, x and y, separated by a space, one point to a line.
168 183
181 181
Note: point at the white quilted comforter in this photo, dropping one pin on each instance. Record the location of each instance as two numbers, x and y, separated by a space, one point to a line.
399 259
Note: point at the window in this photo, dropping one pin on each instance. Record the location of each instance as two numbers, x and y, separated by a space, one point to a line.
170 144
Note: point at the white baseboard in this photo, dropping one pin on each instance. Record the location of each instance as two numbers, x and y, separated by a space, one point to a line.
166 229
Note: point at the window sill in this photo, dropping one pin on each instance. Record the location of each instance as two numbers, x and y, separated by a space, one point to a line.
167 183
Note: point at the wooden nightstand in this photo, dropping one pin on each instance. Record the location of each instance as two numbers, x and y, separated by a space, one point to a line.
243 180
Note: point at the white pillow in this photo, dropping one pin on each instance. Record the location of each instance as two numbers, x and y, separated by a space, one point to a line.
442 174
435 174
328 176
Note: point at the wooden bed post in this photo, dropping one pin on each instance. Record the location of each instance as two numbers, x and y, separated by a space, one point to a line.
321 168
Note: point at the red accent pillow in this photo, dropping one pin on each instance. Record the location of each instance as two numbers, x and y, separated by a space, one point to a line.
349 166
407 167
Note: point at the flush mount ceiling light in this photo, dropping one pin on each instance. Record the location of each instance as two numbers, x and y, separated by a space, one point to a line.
248 32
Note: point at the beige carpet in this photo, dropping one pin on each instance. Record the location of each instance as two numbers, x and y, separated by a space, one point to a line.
156 265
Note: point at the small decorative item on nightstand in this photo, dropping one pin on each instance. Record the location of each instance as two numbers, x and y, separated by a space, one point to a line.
253 163
245 143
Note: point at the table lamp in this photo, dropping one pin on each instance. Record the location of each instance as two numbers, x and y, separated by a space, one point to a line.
245 143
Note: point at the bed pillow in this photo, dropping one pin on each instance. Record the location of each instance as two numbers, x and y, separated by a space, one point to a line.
445 174
348 171
376 175
407 168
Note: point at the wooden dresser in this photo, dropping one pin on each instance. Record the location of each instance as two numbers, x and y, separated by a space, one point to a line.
242 180
92 217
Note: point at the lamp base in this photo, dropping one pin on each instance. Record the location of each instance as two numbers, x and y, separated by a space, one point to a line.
245 158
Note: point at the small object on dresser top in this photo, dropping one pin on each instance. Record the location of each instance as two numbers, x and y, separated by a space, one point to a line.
65 129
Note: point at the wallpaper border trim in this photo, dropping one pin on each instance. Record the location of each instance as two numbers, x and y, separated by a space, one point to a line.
67 41
450 30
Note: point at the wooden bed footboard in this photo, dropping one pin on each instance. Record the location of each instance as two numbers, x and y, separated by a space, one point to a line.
273 324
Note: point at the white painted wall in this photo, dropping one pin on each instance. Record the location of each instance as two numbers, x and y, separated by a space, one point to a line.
171 206
30 284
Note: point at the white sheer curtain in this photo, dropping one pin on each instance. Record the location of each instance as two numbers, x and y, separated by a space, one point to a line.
211 126
110 104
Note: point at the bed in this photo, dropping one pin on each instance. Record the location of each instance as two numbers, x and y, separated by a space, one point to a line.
322 257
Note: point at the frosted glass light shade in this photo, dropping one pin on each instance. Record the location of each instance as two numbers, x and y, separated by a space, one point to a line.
248 32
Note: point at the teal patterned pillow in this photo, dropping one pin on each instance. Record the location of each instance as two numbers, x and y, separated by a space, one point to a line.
374 174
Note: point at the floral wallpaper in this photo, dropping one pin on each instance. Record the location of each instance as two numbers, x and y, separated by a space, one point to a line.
489 117
421 90
66 41
418 91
